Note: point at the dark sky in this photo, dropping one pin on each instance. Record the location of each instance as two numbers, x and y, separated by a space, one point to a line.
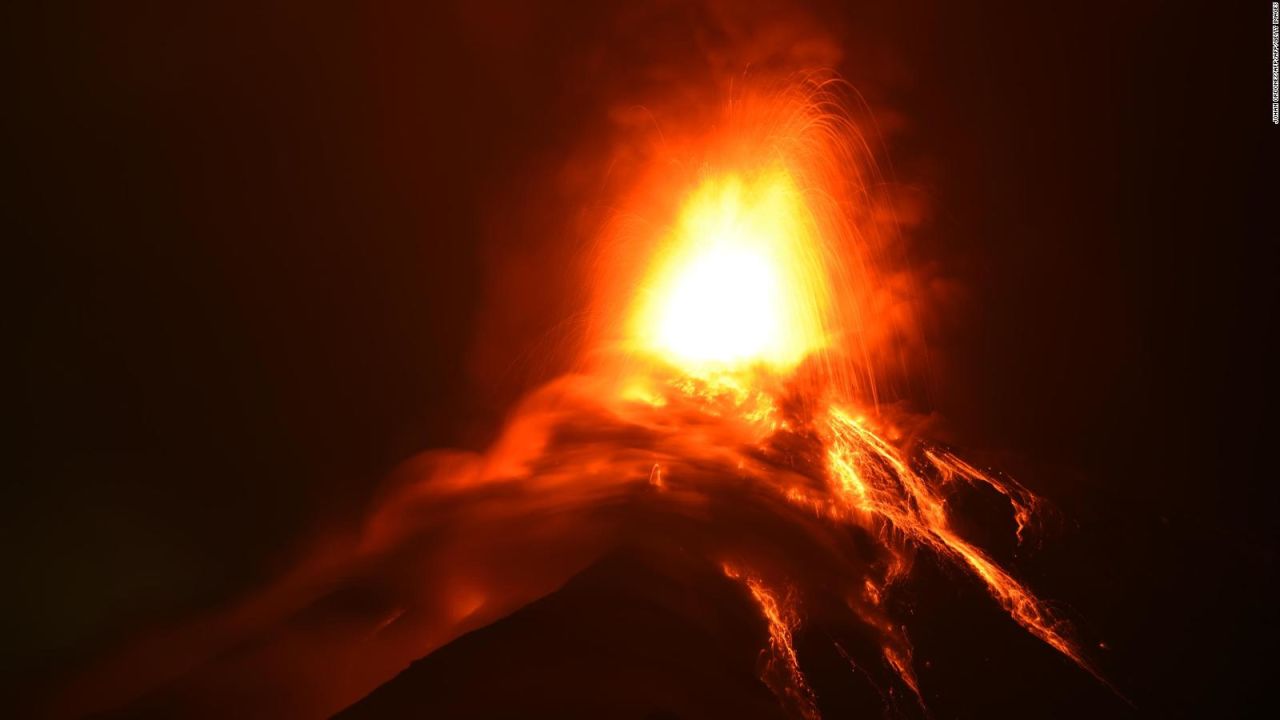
253 267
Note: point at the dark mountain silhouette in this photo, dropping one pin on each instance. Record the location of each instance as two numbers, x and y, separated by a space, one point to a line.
636 635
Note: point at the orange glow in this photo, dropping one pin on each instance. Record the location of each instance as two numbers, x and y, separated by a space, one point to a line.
739 282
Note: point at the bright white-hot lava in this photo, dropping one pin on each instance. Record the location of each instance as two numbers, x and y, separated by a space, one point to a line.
738 280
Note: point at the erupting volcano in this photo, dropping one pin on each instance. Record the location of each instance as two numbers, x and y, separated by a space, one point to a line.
728 428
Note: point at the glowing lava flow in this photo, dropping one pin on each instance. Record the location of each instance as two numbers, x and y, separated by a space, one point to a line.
873 479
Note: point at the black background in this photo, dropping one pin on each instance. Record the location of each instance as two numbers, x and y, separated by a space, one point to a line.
248 269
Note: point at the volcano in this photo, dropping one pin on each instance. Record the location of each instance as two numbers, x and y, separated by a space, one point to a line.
696 358
718 512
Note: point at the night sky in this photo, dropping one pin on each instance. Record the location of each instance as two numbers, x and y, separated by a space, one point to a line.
261 255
